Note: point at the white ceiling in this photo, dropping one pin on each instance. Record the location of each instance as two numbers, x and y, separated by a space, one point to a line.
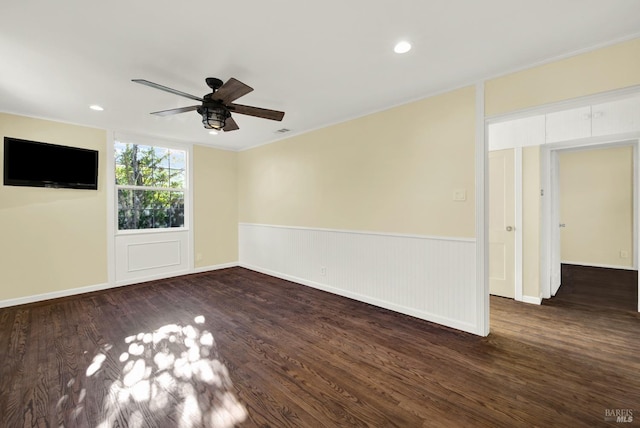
321 62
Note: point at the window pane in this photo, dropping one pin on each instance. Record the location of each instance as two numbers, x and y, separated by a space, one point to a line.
177 159
140 165
177 179
161 177
176 210
133 163
149 166
146 209
162 157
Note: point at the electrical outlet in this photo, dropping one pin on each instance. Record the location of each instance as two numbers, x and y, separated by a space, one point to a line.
198 257
624 254
323 270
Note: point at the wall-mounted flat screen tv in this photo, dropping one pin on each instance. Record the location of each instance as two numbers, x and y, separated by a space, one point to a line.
30 163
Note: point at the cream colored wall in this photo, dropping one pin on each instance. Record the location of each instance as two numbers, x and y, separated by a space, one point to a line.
215 194
531 206
610 68
52 239
606 69
393 171
596 204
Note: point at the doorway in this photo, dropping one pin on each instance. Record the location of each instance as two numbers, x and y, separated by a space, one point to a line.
604 189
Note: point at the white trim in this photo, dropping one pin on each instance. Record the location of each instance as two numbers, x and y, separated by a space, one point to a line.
482 213
150 140
598 265
517 159
636 207
215 267
545 216
53 295
449 322
555 269
150 188
151 231
190 205
583 101
532 300
111 210
105 286
636 194
362 232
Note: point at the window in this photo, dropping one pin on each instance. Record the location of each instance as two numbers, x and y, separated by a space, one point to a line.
150 186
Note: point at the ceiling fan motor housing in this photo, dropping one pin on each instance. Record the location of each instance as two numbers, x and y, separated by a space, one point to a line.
213 112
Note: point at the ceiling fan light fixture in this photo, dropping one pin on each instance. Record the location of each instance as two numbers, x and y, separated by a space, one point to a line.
213 118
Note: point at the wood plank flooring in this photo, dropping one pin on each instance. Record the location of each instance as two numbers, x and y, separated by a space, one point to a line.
238 348
615 289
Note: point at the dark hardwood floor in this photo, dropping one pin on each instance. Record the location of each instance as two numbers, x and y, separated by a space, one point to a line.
599 287
238 348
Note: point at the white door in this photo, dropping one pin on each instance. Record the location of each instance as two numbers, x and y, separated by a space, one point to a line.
556 263
501 223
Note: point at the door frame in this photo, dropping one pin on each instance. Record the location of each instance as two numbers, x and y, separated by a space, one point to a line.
550 260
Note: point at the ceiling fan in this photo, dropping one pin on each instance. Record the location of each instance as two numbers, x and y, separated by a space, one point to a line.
216 107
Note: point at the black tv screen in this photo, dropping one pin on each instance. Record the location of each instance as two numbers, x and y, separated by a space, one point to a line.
30 163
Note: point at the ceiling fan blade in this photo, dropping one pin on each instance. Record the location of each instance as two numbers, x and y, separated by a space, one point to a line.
175 111
231 90
230 125
166 89
256 111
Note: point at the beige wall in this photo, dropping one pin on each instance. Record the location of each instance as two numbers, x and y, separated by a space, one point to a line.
52 239
215 194
606 69
596 204
56 239
393 171
610 68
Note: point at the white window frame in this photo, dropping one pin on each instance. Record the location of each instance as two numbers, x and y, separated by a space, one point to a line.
187 189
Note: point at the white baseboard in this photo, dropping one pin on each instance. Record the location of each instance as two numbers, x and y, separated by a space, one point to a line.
99 287
532 300
469 328
598 265
53 295
215 267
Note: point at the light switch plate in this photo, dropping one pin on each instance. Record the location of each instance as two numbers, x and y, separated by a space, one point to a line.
459 195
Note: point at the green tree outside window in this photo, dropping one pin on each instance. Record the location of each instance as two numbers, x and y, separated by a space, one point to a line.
150 184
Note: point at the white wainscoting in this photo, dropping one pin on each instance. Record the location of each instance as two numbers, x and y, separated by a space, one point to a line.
433 278
145 256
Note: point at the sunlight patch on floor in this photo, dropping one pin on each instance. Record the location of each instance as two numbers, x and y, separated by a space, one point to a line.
173 371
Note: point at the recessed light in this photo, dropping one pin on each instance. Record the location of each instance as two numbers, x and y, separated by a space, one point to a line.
96 107
213 132
402 47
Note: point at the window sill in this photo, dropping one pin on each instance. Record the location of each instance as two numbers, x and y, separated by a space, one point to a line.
151 231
